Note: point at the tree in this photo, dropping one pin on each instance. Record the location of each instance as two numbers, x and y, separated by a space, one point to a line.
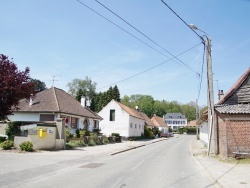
14 85
78 88
39 85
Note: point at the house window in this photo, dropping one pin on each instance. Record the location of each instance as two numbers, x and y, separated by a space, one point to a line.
74 122
139 126
47 117
95 124
131 126
135 126
112 115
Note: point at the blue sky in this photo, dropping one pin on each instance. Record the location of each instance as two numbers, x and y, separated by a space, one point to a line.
66 39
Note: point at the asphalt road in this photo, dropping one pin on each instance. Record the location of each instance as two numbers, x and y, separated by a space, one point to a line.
160 165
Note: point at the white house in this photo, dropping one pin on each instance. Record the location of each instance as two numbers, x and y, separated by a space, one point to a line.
159 122
119 118
53 103
203 128
175 120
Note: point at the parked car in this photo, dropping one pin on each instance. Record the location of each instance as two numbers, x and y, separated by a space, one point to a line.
167 135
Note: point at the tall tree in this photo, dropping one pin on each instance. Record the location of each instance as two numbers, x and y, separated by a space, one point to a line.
79 87
39 85
116 94
14 85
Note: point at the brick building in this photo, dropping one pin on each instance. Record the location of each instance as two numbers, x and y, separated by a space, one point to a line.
232 119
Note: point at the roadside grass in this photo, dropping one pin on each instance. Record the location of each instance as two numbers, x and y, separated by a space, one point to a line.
234 161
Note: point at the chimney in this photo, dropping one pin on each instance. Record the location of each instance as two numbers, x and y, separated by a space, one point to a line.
83 101
31 100
220 94
88 102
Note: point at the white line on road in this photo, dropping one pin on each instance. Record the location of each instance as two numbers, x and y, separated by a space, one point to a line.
150 155
137 165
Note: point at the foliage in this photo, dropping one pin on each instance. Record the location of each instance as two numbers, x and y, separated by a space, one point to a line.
149 106
77 143
2 138
77 133
91 142
105 140
70 145
103 98
7 144
39 85
13 129
148 134
170 129
79 88
115 134
26 146
14 85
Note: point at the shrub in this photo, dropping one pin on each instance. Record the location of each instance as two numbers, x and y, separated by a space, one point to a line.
77 143
2 138
105 140
115 134
91 142
13 129
7 144
26 146
70 145
77 133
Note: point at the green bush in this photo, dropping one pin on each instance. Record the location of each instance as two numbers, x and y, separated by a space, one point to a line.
70 145
2 138
115 134
77 133
7 144
77 143
26 146
105 140
91 142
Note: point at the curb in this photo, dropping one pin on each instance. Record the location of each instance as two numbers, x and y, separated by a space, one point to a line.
137 147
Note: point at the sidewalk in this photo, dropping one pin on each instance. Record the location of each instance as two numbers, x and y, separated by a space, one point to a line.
224 173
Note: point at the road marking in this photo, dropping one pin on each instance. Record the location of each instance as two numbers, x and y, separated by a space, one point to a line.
137 165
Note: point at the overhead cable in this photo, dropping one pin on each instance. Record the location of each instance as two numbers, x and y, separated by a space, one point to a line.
174 57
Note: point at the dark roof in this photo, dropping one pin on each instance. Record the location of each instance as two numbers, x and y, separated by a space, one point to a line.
56 100
233 109
237 99
239 92
174 116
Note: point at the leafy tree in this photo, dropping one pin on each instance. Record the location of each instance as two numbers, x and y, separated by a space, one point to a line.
14 85
78 88
103 98
146 105
39 85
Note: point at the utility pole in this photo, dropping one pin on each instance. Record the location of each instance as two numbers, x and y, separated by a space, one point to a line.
210 91
211 144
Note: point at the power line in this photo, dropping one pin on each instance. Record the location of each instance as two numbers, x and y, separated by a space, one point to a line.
182 20
182 63
147 69
144 35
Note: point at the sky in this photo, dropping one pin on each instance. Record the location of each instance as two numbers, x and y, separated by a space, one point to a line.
69 39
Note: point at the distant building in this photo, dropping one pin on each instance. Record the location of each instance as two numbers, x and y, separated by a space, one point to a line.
175 120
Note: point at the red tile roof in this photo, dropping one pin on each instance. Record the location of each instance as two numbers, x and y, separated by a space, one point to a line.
158 121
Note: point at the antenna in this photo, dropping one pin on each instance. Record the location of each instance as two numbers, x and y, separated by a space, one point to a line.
53 80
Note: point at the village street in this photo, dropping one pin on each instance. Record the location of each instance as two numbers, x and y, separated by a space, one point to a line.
157 163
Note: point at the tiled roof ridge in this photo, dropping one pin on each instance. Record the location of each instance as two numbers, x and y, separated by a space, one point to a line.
54 91
237 84
91 111
123 106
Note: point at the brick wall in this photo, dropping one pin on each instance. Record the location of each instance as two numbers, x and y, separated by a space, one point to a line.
234 134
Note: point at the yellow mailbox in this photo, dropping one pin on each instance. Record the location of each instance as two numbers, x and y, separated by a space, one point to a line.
42 133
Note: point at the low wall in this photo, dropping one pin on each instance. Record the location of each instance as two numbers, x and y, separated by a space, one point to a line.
2 128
